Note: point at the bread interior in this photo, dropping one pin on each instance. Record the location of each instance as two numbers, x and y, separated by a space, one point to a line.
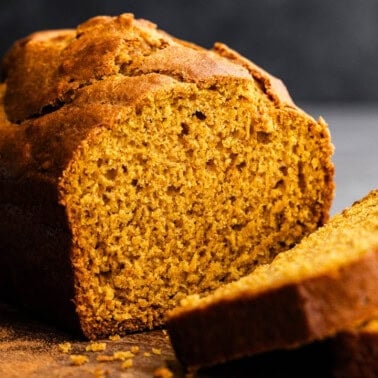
191 188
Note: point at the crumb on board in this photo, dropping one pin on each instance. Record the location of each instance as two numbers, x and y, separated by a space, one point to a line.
127 363
78 359
147 354
104 358
164 332
65 347
122 355
134 349
115 337
163 372
156 351
95 347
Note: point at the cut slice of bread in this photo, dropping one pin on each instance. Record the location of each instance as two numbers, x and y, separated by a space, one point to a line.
326 284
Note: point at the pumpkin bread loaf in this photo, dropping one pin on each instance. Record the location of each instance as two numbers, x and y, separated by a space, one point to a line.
326 284
138 169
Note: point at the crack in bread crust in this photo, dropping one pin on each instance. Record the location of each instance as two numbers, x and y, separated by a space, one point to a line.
52 66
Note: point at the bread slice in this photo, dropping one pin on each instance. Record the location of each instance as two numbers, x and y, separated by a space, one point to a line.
140 169
354 352
326 284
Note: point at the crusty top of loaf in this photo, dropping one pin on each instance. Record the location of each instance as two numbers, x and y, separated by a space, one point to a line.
42 146
44 70
98 70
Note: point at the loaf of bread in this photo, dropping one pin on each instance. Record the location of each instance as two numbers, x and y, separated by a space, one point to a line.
138 169
326 284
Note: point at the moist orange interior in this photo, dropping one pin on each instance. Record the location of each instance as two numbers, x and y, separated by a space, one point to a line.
192 188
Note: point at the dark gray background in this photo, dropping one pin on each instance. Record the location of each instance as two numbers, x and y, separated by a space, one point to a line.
323 49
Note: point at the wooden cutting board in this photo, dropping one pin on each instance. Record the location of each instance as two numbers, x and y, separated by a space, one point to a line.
29 348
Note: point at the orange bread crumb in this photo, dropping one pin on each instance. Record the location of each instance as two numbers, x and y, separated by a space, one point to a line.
127 364
65 347
78 359
95 347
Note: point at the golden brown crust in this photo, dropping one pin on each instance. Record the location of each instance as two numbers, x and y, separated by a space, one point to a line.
45 69
44 145
271 85
30 68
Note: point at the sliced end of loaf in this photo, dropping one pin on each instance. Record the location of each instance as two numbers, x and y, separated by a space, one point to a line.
189 189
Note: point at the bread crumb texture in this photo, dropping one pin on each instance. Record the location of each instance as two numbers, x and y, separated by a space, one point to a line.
345 239
179 169
191 188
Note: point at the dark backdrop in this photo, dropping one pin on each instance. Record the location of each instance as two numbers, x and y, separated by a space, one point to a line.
323 49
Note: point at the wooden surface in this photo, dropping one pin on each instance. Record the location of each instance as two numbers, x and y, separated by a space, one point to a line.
30 349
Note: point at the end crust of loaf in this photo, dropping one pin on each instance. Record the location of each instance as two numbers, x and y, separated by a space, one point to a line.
140 168
324 285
